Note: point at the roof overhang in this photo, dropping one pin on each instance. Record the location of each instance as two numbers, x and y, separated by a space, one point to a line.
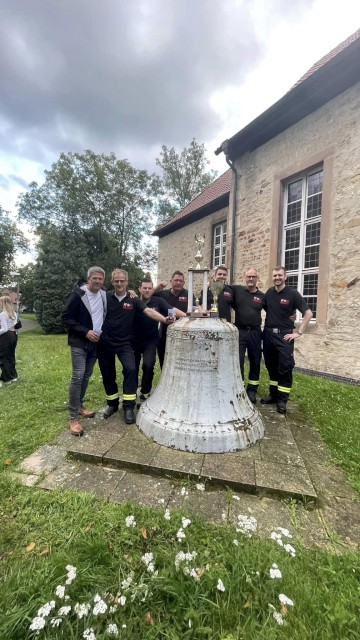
219 203
333 78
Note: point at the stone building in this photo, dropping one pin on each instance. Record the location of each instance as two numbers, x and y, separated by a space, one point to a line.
294 199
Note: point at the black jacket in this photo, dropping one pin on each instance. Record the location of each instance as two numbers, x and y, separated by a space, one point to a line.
77 315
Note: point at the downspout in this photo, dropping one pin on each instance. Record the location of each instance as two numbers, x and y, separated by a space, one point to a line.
224 148
233 220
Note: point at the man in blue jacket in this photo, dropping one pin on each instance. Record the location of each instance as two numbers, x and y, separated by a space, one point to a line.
84 314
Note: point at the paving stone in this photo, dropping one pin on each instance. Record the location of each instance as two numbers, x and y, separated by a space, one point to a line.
210 505
310 528
26 479
342 516
143 489
58 476
329 480
268 512
92 446
132 449
43 460
181 462
231 468
101 481
285 479
280 450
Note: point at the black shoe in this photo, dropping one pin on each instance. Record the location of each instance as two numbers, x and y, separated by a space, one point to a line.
109 411
281 407
268 400
252 396
129 416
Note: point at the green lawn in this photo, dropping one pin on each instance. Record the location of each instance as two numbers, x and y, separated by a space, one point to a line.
42 532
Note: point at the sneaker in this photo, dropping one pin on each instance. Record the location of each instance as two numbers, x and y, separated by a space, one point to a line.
281 407
75 428
252 396
268 400
85 413
109 411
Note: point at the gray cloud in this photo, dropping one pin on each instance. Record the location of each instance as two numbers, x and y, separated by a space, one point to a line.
122 75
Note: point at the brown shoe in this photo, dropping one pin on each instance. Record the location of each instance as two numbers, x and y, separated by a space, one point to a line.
75 428
85 413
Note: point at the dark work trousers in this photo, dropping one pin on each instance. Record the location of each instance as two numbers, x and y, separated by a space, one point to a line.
250 340
161 349
279 361
148 353
8 342
108 371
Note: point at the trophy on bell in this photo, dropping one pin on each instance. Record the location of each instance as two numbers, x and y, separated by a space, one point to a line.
215 288
200 241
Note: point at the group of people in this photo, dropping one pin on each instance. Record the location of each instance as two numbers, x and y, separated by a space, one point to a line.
9 323
105 325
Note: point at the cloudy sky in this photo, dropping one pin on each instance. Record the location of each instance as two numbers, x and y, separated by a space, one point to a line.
130 75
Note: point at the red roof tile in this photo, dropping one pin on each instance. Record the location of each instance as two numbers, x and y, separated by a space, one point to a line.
216 189
329 56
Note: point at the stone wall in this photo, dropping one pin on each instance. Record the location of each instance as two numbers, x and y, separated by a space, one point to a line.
330 135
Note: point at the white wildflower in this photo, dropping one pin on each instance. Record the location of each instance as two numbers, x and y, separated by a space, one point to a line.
246 525
147 559
285 600
55 622
290 549
161 501
278 617
100 607
97 598
113 608
236 497
89 634
180 534
122 600
71 573
113 630
183 492
64 611
167 514
236 542
46 609
60 591
223 516
220 585
200 486
38 623
277 537
128 581
285 532
130 521
275 572
123 626
190 624
185 522
81 610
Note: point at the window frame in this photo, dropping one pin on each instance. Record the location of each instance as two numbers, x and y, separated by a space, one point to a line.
221 245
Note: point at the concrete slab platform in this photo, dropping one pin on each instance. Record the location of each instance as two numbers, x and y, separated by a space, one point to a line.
178 463
290 480
143 489
44 460
210 505
231 470
101 481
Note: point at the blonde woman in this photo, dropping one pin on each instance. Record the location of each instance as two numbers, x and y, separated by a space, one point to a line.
8 340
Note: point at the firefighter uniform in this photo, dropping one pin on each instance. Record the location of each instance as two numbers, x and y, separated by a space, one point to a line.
145 341
179 301
278 353
115 340
248 306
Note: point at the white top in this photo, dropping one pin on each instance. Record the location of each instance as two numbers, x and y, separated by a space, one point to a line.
97 308
6 323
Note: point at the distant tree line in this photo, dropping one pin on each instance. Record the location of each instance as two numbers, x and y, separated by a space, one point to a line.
95 209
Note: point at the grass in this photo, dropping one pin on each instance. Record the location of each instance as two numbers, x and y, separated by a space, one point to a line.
41 532
28 316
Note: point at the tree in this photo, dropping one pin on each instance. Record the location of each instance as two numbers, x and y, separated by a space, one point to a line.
184 176
27 286
11 240
101 199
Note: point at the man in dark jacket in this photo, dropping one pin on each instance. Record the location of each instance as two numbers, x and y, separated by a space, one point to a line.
84 314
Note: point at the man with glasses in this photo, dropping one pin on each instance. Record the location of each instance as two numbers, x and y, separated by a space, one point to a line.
116 339
248 302
176 297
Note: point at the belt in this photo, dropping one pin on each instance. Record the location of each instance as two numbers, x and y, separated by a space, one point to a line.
248 328
277 330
